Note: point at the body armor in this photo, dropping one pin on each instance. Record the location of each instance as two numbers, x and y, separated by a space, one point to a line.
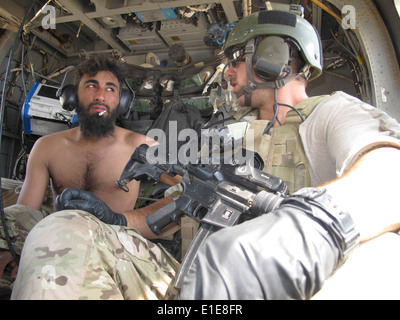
282 149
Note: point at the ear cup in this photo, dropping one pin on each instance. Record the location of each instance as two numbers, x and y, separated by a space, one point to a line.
125 101
68 97
271 58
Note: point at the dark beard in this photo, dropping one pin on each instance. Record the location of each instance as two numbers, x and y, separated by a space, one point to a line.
95 125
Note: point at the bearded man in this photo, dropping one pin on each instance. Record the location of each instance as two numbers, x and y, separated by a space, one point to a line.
62 254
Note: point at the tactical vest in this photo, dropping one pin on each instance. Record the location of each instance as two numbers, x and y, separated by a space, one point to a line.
282 149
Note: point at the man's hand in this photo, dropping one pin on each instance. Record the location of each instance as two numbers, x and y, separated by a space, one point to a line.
72 198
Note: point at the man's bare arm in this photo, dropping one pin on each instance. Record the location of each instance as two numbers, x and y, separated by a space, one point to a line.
369 192
136 219
170 180
37 178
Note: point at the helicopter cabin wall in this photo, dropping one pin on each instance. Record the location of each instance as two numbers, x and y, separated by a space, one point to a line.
32 62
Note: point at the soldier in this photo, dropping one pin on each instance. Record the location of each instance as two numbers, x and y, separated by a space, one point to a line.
338 157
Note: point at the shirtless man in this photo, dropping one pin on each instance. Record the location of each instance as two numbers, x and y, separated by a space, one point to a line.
92 156
83 165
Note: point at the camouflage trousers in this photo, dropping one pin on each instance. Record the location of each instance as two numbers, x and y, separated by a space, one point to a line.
20 220
72 255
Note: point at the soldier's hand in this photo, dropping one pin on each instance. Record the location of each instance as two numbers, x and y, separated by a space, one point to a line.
72 198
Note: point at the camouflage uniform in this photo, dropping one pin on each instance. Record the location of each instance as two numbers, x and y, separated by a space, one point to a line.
20 220
72 255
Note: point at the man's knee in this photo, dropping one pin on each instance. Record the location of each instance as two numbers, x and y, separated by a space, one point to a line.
55 256
59 233
68 219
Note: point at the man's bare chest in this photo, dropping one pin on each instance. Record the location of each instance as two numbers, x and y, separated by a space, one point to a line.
88 170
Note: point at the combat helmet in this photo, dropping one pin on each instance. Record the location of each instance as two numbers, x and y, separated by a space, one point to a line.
282 24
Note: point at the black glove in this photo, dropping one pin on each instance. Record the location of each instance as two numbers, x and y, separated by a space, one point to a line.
72 198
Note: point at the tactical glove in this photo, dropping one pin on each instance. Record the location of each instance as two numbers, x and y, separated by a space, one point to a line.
72 198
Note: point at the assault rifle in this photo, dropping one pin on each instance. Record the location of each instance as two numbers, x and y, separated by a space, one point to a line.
216 195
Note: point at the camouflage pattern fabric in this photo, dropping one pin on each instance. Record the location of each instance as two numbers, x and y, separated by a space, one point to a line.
20 220
72 255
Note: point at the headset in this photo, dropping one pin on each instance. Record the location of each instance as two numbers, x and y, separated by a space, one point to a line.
68 96
263 39
271 58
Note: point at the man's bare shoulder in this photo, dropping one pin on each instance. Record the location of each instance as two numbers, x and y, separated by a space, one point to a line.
128 136
53 139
